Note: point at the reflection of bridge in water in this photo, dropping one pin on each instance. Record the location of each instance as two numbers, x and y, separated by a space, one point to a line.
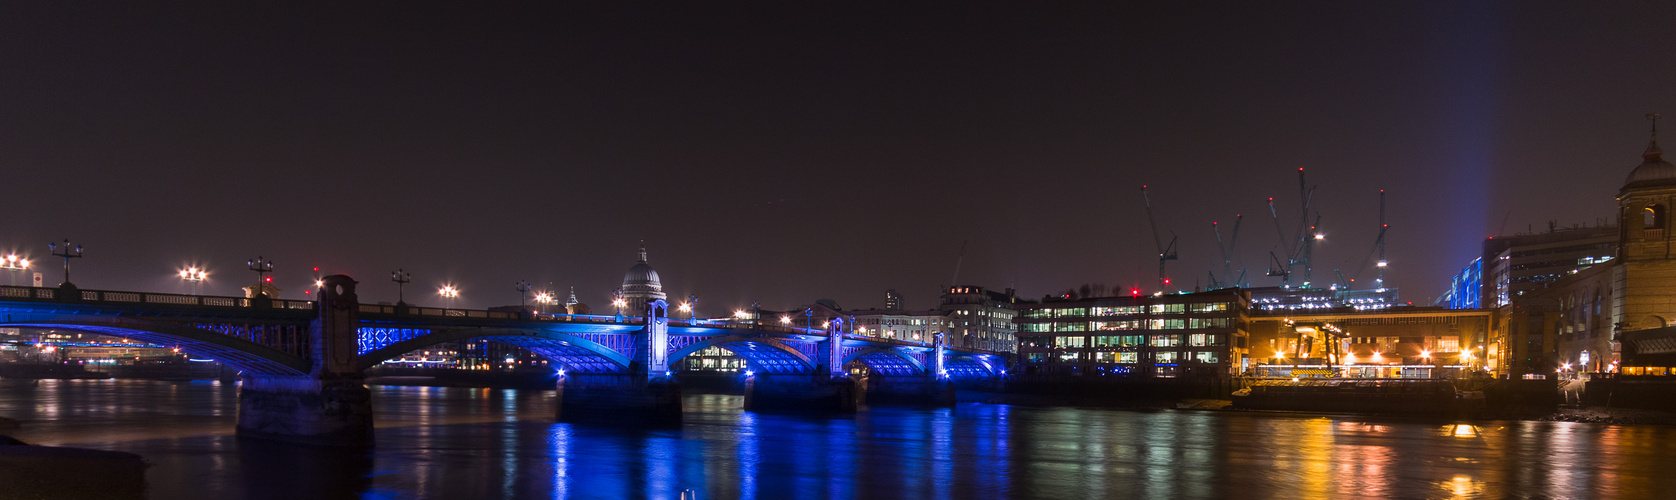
301 361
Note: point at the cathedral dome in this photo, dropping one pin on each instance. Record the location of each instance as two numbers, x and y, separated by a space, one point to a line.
641 285
641 274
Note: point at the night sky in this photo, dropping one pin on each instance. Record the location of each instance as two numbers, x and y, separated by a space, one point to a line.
790 151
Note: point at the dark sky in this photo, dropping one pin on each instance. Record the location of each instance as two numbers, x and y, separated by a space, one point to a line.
789 151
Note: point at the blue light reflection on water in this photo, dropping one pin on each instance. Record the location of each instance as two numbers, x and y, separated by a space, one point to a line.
465 443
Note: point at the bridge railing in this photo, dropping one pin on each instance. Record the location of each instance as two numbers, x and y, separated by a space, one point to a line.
42 294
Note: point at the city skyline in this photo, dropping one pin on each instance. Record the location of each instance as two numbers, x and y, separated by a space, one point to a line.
767 164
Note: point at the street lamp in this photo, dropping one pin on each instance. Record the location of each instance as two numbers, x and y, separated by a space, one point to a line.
691 306
523 288
262 267
756 312
67 254
401 278
195 276
808 318
687 307
617 300
545 299
14 264
449 292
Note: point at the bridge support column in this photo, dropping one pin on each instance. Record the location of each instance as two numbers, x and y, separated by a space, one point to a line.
646 396
828 389
619 399
329 405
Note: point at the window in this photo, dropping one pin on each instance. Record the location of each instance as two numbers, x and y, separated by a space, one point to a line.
1198 340
1070 313
1448 345
1105 357
1115 311
1211 307
1071 342
1166 324
1131 324
1068 357
1038 327
1198 323
1652 216
1073 327
1165 357
1035 357
1166 340
1128 357
1205 357
1118 341
1168 308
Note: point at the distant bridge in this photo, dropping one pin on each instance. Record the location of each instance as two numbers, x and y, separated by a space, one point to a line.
270 337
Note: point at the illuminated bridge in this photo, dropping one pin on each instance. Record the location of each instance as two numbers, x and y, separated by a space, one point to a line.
306 347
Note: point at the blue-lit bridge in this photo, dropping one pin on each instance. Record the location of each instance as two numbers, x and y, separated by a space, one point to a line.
294 345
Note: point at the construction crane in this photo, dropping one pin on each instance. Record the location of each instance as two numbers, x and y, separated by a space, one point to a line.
1227 252
1165 253
1379 247
1300 247
1341 284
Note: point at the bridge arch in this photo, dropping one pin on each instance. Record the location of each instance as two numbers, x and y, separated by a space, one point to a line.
248 357
763 354
886 361
571 352
967 366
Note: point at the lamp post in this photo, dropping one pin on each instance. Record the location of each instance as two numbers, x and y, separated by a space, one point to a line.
15 265
617 300
692 306
449 292
195 276
545 299
756 312
262 267
67 254
401 278
808 318
523 288
687 307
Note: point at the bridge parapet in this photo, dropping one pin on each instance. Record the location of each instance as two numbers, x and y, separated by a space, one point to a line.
42 294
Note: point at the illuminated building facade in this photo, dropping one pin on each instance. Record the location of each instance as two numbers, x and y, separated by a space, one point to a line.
980 319
1391 343
1167 336
913 326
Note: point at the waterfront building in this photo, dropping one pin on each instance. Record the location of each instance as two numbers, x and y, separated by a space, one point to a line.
913 326
981 319
1401 342
1566 326
1165 336
1512 266
1285 298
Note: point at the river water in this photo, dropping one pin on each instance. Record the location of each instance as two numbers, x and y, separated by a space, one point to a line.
483 443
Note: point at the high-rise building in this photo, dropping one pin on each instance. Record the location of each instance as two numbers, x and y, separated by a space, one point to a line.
893 300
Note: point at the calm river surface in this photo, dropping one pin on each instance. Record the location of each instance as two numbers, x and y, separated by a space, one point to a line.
480 443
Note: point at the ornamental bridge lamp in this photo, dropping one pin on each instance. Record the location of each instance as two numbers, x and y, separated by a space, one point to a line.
67 254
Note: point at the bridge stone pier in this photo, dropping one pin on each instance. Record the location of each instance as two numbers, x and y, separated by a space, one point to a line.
329 404
645 396
929 386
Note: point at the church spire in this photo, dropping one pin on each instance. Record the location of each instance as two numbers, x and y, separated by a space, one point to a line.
572 300
642 250
1653 152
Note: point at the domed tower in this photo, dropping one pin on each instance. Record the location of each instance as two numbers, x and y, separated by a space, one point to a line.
641 286
1646 266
